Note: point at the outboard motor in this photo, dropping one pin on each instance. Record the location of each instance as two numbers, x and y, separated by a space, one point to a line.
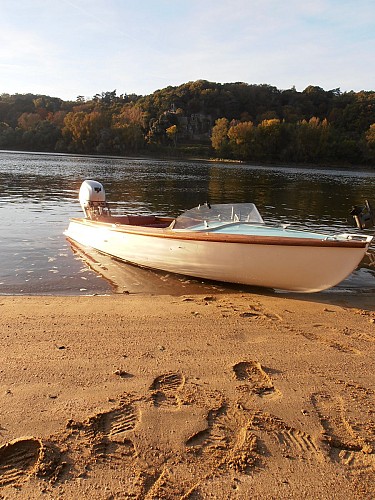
364 216
92 199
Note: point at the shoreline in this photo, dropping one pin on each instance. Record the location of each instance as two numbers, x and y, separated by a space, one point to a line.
218 395
341 166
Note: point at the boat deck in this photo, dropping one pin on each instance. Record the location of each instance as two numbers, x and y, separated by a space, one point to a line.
256 230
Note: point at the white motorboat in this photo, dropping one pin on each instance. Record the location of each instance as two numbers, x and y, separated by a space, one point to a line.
225 242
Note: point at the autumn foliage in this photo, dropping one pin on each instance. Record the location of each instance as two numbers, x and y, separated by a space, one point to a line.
231 120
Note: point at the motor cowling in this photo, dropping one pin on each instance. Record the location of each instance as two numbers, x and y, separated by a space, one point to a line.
92 199
364 216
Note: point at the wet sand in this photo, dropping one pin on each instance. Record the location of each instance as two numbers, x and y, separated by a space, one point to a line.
196 396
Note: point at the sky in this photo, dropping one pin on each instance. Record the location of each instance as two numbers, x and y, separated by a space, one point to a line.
70 48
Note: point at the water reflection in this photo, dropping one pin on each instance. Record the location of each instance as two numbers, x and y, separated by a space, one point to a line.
38 194
127 278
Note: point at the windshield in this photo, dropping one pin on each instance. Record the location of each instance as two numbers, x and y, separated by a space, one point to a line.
236 212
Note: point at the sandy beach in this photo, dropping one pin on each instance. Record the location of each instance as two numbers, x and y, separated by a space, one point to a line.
190 397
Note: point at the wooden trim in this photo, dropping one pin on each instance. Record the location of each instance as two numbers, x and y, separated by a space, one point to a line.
222 238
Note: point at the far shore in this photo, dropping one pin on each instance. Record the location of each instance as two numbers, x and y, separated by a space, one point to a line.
180 158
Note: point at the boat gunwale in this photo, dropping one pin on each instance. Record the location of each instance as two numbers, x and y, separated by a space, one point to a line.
168 233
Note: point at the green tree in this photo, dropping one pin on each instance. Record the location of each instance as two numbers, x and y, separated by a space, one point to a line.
84 129
312 140
269 138
172 134
128 129
219 136
28 121
242 138
370 136
370 140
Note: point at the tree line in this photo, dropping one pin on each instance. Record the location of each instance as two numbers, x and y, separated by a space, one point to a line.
231 120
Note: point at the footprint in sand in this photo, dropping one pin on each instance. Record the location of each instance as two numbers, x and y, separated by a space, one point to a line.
291 440
105 430
326 340
344 444
115 423
165 389
24 457
161 486
339 433
226 442
103 435
257 380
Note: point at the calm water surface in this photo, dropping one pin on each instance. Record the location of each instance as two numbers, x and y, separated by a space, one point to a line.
39 193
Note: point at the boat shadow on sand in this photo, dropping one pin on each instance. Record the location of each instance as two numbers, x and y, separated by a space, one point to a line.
358 290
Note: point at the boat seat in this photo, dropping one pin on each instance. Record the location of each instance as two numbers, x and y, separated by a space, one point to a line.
142 220
135 220
160 224
113 219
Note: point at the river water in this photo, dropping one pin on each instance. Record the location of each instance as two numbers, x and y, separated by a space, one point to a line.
39 192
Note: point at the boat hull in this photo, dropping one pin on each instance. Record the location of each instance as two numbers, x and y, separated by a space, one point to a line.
301 267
